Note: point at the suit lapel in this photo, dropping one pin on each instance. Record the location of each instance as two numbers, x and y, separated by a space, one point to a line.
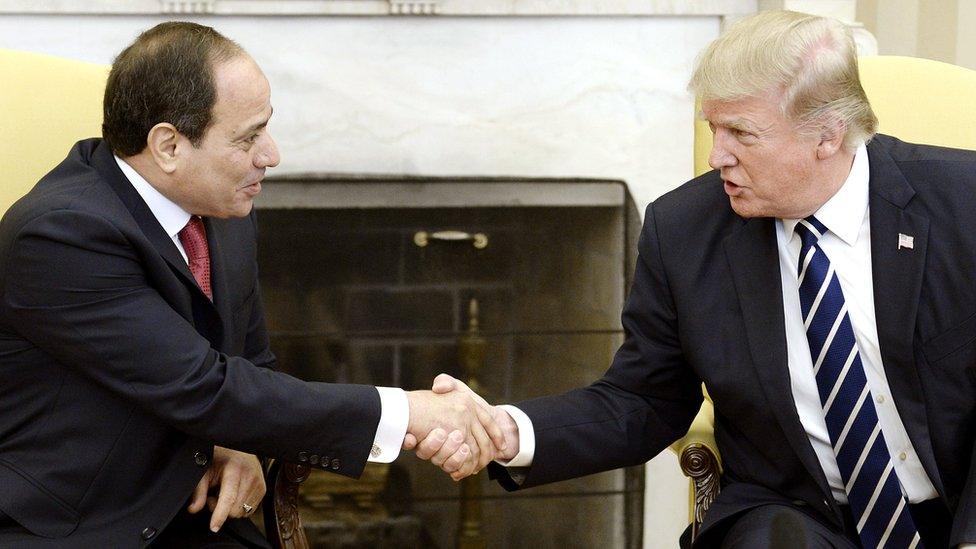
754 260
216 234
105 164
898 274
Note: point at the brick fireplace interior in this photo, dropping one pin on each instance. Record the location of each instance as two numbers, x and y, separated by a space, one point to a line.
351 297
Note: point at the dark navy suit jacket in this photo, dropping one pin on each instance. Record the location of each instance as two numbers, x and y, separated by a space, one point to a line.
706 306
118 375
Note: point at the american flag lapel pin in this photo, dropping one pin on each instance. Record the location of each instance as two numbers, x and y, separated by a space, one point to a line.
906 241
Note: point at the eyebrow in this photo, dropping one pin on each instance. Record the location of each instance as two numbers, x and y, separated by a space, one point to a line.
257 126
738 124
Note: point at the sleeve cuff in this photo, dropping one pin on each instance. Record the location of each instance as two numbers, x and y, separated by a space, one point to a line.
526 438
394 415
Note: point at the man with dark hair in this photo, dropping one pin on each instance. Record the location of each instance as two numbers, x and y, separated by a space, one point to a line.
135 373
162 78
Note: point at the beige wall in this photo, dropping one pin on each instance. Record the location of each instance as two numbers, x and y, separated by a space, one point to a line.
937 29
966 38
923 28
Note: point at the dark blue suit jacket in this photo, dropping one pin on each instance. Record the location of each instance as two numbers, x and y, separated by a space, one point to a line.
706 306
118 375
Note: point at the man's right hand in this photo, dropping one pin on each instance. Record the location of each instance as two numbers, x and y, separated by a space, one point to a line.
474 433
450 452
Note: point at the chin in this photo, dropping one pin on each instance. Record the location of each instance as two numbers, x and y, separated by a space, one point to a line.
742 208
243 210
236 210
749 209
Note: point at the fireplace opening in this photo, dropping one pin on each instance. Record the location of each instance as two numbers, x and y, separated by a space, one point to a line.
390 281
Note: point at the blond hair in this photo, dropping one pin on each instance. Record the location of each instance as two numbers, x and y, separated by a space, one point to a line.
811 60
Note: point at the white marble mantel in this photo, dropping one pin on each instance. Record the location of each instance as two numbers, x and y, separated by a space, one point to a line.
386 7
584 96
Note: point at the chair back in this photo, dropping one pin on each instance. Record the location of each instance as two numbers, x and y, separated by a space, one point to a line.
48 103
915 100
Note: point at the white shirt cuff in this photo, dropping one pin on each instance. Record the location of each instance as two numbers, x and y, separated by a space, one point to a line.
394 415
526 438
968 546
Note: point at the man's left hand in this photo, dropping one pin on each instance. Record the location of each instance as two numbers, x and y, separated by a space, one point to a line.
241 482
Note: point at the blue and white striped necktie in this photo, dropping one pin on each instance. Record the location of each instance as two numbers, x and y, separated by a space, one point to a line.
873 491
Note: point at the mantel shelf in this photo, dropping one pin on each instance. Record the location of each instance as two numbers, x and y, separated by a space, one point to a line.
306 192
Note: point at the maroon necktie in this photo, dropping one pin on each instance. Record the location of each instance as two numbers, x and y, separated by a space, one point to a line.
194 240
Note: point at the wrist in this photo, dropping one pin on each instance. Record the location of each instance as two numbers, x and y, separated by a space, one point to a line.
510 430
415 402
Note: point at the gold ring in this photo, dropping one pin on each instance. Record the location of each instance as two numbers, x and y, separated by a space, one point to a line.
247 509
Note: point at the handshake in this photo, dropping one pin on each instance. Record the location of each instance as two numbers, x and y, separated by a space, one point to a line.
457 430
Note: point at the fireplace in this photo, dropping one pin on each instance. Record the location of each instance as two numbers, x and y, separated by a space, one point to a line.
371 280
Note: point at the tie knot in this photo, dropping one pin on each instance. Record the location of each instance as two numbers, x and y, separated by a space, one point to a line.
810 230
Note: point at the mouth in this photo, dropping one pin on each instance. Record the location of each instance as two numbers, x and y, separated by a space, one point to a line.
732 189
253 189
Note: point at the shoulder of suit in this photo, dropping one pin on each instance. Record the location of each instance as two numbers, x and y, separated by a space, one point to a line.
701 201
905 152
74 184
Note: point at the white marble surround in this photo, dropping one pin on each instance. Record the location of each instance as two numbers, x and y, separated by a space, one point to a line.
596 88
584 96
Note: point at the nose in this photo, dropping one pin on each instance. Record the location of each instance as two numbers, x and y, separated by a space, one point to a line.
268 156
720 157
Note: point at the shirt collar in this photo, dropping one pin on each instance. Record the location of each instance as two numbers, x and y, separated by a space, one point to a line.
844 213
169 215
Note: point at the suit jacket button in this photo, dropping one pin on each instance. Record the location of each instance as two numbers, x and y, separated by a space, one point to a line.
335 465
200 459
313 459
303 456
148 533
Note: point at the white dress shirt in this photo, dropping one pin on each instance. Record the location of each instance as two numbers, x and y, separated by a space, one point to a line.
848 245
395 412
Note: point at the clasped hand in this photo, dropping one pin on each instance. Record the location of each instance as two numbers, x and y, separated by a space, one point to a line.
457 430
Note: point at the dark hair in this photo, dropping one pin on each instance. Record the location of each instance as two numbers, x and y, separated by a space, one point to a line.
166 75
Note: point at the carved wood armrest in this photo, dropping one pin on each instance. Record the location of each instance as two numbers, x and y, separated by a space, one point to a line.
699 463
281 521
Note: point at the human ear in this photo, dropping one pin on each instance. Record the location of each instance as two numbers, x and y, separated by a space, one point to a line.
831 137
162 142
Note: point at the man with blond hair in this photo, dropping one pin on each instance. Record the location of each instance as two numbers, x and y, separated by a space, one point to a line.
819 282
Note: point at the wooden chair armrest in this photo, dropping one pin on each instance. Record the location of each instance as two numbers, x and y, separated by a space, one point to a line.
281 521
699 463
699 460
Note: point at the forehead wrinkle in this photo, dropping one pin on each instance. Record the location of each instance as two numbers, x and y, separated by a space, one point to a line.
747 115
258 125
238 132
737 122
